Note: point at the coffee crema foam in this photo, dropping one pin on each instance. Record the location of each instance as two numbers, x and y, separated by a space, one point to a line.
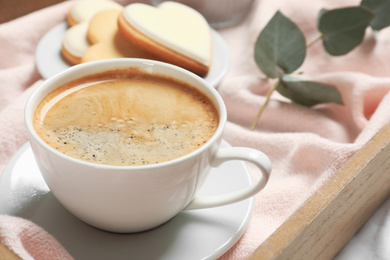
125 117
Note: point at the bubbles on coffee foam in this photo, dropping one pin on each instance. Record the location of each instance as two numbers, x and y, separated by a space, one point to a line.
127 141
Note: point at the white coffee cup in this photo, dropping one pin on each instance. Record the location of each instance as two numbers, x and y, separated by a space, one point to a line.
136 198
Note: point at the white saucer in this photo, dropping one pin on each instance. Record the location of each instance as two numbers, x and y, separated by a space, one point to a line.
50 61
197 234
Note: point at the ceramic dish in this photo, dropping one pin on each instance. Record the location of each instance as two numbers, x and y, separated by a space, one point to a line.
197 234
50 60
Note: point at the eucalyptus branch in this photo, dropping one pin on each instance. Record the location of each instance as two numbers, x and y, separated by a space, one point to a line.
281 47
319 37
268 98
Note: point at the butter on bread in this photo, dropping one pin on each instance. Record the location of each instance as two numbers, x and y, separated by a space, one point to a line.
107 42
173 32
84 10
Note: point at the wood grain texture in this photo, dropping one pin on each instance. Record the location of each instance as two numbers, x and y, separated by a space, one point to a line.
6 254
328 219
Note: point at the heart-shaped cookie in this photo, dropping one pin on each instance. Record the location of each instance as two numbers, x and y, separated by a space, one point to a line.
84 10
175 32
75 43
107 42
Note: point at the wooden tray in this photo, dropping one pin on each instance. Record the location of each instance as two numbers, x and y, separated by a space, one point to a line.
328 219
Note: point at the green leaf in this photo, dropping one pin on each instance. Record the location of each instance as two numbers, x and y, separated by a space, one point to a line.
308 93
382 11
280 47
343 29
320 13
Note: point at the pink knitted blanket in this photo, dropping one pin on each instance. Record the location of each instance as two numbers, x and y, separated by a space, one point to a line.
305 145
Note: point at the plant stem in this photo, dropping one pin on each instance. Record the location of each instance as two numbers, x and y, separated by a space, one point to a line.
264 105
319 37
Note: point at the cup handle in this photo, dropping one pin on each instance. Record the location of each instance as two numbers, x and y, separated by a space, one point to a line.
256 157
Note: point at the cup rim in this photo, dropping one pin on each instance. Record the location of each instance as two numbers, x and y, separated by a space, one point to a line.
118 63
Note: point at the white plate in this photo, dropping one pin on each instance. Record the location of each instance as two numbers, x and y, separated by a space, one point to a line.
50 61
197 234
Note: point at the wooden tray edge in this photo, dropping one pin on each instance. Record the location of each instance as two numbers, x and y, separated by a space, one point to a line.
329 218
